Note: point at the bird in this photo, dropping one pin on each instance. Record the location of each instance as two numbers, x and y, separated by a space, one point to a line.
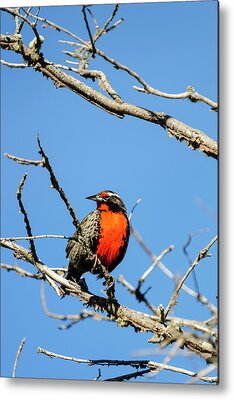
102 237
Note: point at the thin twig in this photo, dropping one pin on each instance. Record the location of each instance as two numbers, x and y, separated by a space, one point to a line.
190 94
99 375
23 21
202 254
137 293
55 185
170 274
20 271
56 27
172 353
93 18
26 220
203 373
14 239
117 23
153 265
185 247
24 273
89 31
13 65
18 356
133 209
127 377
100 32
25 161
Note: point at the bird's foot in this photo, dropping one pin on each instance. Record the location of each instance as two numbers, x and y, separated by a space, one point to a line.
83 285
110 290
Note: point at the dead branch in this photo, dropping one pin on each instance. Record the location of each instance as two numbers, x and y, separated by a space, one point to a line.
194 138
190 93
55 185
15 239
122 315
18 356
20 271
152 365
24 161
26 220
13 65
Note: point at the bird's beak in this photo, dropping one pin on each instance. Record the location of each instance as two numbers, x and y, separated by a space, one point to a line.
95 197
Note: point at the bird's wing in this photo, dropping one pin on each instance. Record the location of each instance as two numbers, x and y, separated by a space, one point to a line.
85 239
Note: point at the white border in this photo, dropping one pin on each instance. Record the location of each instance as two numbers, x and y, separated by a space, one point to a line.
60 390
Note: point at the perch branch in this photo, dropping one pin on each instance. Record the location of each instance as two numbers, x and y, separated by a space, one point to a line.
139 321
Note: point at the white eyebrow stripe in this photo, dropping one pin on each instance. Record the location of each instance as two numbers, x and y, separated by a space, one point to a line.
113 194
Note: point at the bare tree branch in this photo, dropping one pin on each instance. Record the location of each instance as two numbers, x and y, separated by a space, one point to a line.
190 94
13 65
152 365
194 138
26 220
18 356
14 239
124 316
55 185
24 161
89 31
153 265
20 271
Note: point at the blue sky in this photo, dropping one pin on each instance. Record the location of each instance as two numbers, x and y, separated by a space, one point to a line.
171 46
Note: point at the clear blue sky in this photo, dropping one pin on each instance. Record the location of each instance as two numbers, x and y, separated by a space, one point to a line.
171 45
